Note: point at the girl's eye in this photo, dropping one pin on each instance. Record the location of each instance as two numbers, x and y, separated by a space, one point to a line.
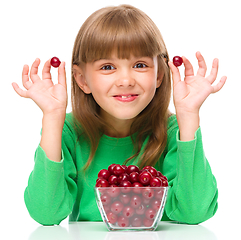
140 65
107 67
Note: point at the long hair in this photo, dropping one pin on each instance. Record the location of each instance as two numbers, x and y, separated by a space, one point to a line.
126 31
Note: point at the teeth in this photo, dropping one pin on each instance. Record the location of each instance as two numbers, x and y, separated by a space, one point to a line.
125 96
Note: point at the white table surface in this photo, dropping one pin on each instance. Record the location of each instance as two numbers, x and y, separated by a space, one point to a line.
98 230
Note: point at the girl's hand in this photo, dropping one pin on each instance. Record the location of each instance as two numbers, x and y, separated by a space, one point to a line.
190 94
49 97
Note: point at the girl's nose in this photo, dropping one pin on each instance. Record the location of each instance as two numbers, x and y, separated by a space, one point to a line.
125 81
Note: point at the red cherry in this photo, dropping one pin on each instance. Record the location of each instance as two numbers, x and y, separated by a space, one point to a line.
159 193
132 168
147 222
123 177
136 221
112 218
156 182
177 61
110 168
104 174
105 199
150 213
137 187
135 201
164 182
156 204
145 178
134 177
151 170
118 169
113 191
148 193
124 167
55 62
128 211
123 221
102 183
116 207
113 179
126 186
141 210
125 198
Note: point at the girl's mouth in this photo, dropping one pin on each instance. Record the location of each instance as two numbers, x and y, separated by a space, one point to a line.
126 97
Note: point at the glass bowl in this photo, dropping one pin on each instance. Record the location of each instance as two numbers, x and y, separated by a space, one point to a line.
131 208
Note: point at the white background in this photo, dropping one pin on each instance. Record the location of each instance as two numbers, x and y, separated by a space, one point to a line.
47 28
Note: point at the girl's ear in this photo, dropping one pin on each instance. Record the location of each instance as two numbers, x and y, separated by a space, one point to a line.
80 79
159 79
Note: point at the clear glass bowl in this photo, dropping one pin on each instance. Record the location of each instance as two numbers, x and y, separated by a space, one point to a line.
131 208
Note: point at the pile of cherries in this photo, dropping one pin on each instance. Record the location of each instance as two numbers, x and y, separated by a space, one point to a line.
131 197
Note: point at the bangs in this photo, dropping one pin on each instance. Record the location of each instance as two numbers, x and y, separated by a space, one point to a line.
124 33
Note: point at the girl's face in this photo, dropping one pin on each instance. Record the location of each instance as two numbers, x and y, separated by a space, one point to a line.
121 87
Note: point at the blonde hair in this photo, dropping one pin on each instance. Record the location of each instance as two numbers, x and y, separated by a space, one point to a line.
127 31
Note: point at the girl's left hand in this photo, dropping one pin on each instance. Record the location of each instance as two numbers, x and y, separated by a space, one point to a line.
190 94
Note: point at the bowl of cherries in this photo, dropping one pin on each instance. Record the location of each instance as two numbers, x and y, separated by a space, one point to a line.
130 199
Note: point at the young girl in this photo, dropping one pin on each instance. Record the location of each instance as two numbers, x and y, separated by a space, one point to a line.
121 88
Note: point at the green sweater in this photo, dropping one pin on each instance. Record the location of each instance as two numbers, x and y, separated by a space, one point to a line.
57 190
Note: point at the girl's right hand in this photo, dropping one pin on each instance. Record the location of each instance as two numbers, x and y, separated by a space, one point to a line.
50 98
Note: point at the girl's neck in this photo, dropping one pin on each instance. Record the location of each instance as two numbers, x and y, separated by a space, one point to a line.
118 128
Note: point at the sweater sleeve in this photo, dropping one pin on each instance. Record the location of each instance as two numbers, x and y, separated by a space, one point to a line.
193 193
51 190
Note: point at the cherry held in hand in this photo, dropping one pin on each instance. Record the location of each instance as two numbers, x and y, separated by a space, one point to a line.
55 62
177 61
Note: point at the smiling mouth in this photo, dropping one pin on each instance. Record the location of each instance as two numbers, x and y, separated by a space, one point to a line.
126 98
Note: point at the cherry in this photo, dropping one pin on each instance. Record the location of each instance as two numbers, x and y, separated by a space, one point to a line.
147 222
114 191
132 168
112 218
134 177
55 62
126 186
141 210
110 168
177 61
102 183
113 179
136 187
104 174
151 170
136 221
123 221
118 170
125 198
156 204
145 178
148 193
128 211
135 201
150 213
105 199
123 177
156 182
116 207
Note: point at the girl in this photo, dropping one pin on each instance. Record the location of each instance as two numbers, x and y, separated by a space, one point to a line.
121 88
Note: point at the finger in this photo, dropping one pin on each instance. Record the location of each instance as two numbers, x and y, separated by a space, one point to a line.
19 91
176 77
25 78
46 71
188 67
62 74
34 70
214 71
220 85
202 65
